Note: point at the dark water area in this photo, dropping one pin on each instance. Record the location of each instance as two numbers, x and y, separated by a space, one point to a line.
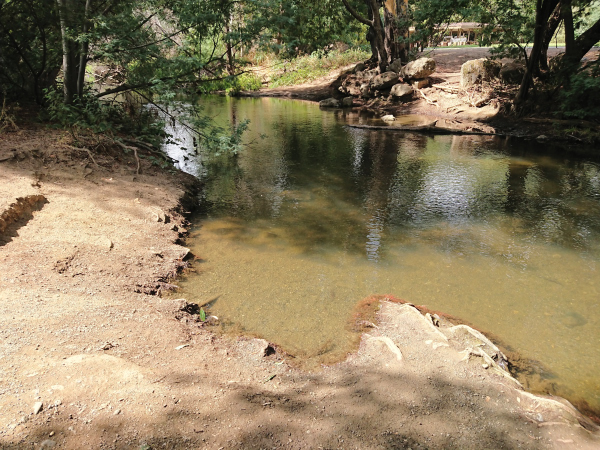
306 222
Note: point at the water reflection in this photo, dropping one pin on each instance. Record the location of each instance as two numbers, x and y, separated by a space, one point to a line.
305 223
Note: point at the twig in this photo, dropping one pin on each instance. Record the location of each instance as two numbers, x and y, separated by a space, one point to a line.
135 153
431 102
450 89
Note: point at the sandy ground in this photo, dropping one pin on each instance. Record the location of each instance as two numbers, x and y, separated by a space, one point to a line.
92 356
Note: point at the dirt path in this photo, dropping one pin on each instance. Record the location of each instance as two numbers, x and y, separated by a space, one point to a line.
92 358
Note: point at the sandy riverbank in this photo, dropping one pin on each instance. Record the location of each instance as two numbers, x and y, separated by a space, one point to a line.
114 365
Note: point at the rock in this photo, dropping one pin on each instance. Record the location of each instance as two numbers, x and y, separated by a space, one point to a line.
542 137
418 69
512 73
48 443
388 118
395 66
37 407
370 74
105 243
402 92
329 103
478 70
347 102
365 90
420 84
351 85
384 81
359 68
117 412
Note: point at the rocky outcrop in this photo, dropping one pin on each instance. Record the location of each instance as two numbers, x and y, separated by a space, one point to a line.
384 81
418 69
478 70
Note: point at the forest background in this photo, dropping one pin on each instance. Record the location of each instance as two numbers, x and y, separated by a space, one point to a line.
72 57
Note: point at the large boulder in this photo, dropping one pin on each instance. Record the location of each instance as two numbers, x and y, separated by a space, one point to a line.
384 81
478 70
329 103
512 73
402 92
420 68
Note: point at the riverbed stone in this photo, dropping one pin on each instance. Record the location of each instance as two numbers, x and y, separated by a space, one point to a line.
388 118
418 69
329 103
402 92
347 102
384 81
477 71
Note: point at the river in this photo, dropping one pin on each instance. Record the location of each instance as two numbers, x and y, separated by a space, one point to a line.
313 216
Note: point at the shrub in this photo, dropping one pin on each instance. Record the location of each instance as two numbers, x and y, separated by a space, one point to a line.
580 98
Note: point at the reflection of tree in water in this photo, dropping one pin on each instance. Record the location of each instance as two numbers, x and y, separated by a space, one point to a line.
313 185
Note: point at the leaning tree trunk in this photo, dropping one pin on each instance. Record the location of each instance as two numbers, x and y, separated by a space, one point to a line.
553 23
583 44
544 9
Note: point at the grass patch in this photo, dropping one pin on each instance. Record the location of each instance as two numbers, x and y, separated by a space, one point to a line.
316 65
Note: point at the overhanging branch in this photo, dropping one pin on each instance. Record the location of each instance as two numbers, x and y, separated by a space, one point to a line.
356 14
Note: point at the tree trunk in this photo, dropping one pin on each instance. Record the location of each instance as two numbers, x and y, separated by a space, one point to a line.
393 13
229 48
544 9
66 10
379 31
553 23
83 54
584 44
567 16
376 30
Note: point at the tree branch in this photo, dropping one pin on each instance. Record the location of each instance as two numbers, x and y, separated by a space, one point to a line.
356 14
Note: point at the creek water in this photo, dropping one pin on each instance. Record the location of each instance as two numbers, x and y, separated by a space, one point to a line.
314 217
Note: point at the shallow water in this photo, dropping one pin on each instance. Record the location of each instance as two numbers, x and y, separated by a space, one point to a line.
317 216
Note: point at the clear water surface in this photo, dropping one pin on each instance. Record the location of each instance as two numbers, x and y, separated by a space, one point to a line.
306 222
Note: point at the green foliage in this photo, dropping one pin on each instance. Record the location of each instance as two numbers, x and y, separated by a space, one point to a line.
30 52
293 27
88 113
308 68
202 315
580 98
232 84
